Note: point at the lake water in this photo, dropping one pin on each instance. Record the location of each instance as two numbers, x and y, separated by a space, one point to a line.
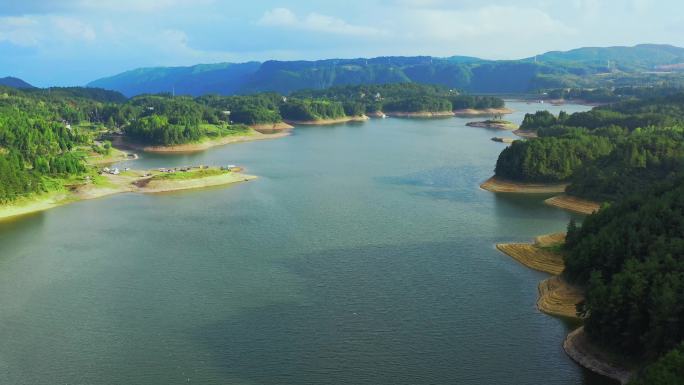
364 254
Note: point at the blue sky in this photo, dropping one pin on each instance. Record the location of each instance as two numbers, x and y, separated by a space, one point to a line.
71 42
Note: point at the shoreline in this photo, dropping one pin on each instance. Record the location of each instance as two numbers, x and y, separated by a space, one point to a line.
498 185
325 122
574 204
116 184
527 134
123 142
420 114
557 297
271 128
535 256
503 140
583 352
471 112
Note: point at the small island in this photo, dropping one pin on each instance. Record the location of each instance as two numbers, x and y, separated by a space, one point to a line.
494 124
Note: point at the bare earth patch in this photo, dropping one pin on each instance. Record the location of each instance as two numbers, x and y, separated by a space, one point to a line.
574 204
525 134
559 298
498 185
469 112
534 257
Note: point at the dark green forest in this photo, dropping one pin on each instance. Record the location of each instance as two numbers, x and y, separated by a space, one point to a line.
36 141
402 97
606 153
630 258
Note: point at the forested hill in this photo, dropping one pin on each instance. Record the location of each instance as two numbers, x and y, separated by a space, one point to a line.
606 153
645 57
630 258
14 82
585 67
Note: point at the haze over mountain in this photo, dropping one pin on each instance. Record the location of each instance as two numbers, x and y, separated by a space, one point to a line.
13 82
577 67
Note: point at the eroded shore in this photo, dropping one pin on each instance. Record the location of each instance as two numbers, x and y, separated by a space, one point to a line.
469 112
582 351
574 204
499 185
557 297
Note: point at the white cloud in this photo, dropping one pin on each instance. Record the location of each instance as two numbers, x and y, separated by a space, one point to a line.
33 31
284 18
490 31
138 5
19 31
73 29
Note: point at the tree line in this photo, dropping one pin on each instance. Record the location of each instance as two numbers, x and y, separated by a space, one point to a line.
605 153
630 258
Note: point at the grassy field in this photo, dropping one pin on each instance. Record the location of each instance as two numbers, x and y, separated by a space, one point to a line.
193 174
219 131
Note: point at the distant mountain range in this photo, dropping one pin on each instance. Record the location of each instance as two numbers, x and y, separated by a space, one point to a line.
645 64
14 83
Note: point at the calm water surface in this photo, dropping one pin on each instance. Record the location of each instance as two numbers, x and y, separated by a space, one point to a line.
364 254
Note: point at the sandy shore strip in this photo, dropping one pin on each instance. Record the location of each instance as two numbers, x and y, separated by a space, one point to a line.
534 256
469 112
559 298
549 240
556 296
527 134
503 140
582 351
130 181
574 204
271 128
499 185
121 142
420 114
41 202
494 124
325 122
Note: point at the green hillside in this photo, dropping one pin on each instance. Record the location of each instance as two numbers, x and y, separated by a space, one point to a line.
579 68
